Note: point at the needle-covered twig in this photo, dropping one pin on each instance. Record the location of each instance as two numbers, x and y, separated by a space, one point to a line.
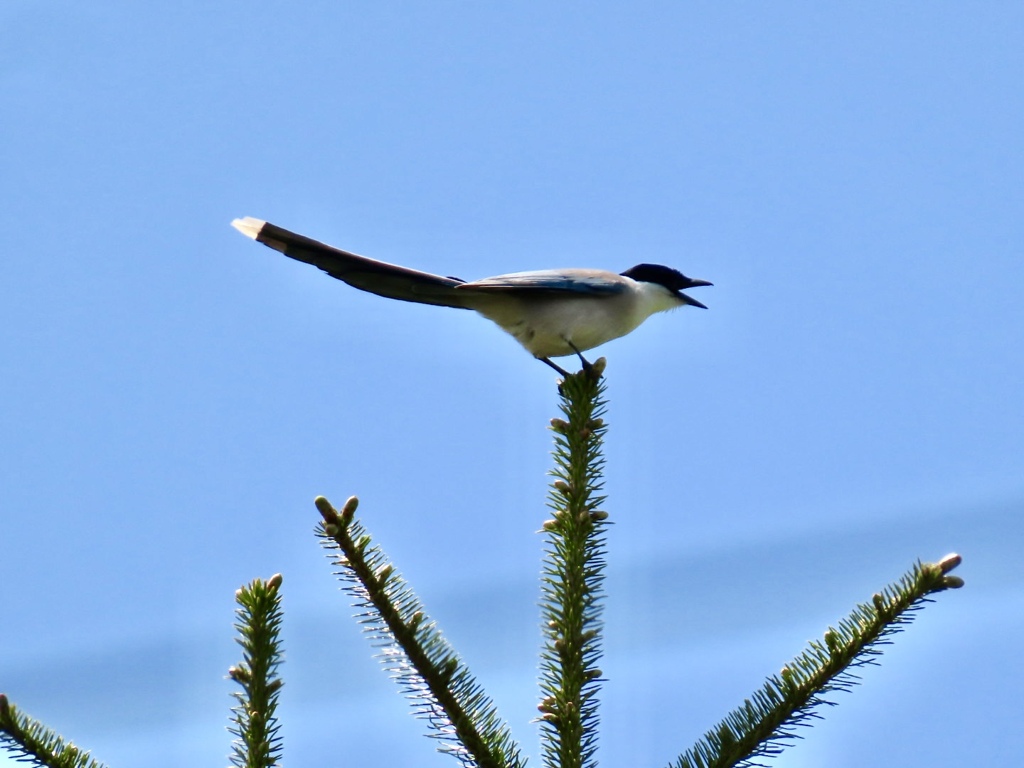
765 723
31 741
413 650
573 576
257 744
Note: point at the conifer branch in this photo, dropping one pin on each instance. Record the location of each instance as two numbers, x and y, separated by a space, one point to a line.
573 575
31 741
421 661
257 744
763 725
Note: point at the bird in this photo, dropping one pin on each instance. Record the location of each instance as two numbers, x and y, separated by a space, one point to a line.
552 312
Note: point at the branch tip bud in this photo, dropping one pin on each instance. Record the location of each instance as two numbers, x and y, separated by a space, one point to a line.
349 510
949 562
329 513
274 582
952 582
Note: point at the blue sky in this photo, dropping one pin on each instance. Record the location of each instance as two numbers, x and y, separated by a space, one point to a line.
174 395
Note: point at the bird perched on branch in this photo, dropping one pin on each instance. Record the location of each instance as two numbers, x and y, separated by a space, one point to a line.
551 312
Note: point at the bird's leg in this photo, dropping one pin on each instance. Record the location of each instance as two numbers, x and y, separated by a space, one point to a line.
586 366
561 370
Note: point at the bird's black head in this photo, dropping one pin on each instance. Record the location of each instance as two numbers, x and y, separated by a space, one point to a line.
672 279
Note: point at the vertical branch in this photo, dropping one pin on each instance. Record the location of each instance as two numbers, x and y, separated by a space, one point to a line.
573 575
255 723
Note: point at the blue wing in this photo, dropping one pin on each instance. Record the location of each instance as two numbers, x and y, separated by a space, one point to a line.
589 282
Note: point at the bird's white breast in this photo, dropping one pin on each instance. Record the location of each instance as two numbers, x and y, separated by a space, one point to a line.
551 326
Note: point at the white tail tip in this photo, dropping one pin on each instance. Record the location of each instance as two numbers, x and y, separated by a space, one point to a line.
248 226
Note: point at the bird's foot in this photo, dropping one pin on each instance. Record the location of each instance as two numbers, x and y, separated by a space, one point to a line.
593 370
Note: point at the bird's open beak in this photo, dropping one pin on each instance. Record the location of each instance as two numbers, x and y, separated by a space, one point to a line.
693 284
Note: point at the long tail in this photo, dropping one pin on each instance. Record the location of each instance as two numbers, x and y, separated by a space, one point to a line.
378 277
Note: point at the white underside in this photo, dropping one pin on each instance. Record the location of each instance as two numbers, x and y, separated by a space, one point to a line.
553 327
